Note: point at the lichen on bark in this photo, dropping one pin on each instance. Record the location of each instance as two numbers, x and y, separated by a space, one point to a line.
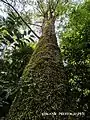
44 82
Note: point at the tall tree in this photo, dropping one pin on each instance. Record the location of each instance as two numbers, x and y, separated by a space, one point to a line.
44 82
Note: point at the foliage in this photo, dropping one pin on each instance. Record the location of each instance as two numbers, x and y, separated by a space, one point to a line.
16 51
57 7
10 30
75 49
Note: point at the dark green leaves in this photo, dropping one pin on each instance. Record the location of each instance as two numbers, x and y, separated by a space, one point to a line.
15 52
75 50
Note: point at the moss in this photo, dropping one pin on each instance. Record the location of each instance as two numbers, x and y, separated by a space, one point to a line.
43 88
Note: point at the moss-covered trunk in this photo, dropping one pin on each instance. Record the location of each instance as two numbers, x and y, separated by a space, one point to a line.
43 90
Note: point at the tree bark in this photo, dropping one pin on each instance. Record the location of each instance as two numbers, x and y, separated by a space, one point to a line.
43 92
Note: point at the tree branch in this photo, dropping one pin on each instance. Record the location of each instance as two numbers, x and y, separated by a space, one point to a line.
20 17
57 1
35 25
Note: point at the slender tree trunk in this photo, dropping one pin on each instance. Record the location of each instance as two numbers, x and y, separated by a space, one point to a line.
44 83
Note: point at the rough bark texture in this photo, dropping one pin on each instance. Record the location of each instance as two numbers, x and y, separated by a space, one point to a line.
44 81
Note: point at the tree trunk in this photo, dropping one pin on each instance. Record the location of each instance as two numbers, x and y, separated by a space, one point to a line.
42 95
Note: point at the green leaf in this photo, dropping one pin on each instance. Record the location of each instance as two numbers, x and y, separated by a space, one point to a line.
29 32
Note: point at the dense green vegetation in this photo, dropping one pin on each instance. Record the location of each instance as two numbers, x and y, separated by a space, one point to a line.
16 49
76 55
